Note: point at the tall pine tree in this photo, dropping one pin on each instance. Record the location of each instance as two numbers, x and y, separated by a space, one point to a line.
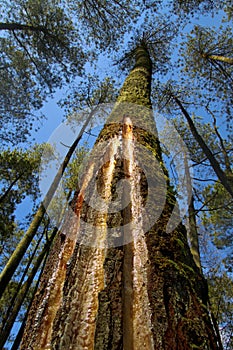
136 288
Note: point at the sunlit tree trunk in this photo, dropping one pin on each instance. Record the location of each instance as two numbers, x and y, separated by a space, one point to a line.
220 58
136 288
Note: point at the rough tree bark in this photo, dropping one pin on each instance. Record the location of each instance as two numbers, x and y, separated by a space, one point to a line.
134 289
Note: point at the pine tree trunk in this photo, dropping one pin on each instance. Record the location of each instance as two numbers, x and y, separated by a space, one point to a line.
220 58
134 289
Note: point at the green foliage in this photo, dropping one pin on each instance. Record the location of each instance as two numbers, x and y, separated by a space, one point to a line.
68 187
90 93
36 59
18 180
104 22
44 45
193 6
157 38
219 218
72 173
221 299
204 42
7 296
229 9
212 78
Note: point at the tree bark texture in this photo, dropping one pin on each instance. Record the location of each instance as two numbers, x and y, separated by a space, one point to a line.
134 289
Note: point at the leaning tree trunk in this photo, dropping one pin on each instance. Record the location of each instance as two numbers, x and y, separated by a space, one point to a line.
114 278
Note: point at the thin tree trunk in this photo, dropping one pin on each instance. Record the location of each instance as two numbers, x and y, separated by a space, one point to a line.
19 335
225 181
5 194
146 293
19 26
192 231
22 293
12 300
193 234
220 58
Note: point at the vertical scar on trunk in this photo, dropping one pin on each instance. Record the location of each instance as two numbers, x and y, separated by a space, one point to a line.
137 325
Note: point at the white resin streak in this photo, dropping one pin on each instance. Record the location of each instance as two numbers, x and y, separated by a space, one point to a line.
141 316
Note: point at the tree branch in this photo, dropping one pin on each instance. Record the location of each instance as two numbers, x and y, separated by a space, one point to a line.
224 59
4 195
19 26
